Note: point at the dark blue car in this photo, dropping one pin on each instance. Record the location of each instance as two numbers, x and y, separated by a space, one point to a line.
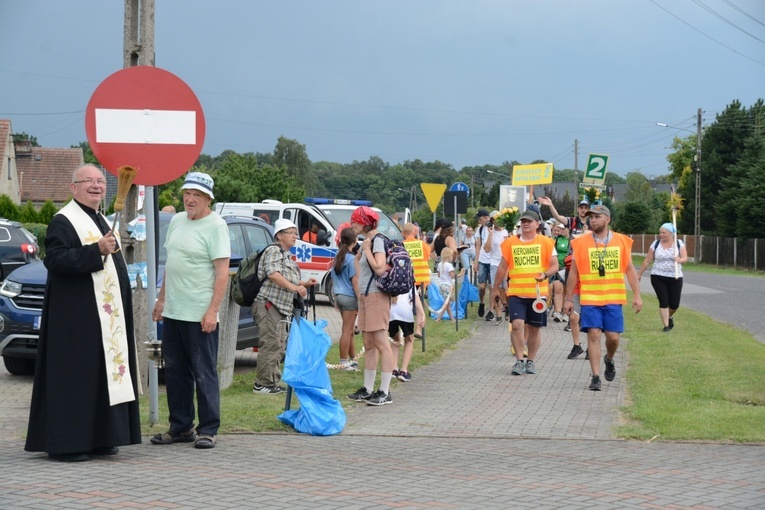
21 295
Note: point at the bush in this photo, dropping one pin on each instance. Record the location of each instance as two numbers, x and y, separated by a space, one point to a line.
39 230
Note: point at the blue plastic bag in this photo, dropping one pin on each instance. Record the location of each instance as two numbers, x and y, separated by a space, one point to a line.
468 294
306 372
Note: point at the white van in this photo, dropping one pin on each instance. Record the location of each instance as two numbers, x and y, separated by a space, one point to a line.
314 254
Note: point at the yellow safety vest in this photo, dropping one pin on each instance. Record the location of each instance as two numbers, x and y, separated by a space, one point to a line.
615 256
525 260
416 251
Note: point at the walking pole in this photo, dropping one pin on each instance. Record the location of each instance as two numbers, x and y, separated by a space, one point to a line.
674 226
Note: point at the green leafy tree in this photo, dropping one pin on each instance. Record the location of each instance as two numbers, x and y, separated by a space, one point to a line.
292 155
87 153
633 217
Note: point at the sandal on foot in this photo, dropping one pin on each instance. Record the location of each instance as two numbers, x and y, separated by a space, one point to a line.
205 442
170 437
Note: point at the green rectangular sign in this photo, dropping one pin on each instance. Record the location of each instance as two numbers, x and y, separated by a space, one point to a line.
596 169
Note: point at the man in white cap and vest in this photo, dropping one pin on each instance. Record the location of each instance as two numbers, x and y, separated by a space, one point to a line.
196 274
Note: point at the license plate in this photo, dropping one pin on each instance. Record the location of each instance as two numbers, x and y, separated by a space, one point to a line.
36 324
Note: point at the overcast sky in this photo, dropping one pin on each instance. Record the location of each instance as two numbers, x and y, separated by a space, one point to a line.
465 82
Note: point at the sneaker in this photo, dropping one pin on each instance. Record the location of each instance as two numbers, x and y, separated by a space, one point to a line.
567 327
563 317
395 373
530 367
490 316
610 373
404 376
557 317
519 368
666 329
267 390
671 323
498 320
595 383
379 398
361 395
480 309
351 366
575 352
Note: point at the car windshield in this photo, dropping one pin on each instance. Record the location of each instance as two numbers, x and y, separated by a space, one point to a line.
338 216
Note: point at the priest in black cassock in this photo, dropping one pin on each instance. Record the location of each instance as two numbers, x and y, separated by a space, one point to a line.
85 396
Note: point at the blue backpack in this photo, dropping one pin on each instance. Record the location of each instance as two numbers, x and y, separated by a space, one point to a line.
399 275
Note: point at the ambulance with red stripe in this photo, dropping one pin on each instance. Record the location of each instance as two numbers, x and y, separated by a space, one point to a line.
316 248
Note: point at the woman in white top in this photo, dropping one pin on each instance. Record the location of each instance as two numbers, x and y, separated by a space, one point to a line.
667 273
447 276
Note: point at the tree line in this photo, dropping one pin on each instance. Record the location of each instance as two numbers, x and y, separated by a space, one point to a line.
732 183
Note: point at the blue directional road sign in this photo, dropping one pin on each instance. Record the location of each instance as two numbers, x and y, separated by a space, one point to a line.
460 186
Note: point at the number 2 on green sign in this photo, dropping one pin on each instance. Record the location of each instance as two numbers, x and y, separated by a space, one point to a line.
597 165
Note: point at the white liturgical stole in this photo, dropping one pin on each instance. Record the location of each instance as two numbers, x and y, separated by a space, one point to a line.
111 312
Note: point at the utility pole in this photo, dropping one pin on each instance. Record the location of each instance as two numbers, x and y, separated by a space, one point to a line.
697 215
576 176
138 50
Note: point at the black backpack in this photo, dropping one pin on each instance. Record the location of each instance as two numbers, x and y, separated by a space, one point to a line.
398 277
246 284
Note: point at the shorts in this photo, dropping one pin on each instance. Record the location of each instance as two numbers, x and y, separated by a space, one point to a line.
605 317
520 308
577 305
346 303
484 273
493 274
407 328
374 312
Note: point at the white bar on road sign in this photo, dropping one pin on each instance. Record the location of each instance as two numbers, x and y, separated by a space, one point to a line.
146 126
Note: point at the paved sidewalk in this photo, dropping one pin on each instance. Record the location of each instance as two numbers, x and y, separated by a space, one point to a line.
463 434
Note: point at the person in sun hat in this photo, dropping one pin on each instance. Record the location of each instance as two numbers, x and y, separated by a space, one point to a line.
274 305
196 275
601 263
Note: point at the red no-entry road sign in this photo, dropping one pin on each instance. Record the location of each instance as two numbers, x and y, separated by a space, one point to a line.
147 118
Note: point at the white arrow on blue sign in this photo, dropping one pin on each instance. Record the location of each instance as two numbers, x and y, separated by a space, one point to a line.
460 186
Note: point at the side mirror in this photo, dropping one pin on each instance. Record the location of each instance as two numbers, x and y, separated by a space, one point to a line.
322 237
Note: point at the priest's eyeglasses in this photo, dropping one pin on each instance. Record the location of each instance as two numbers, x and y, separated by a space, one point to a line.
91 182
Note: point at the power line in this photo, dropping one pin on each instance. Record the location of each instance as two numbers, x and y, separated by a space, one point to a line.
723 18
705 35
743 12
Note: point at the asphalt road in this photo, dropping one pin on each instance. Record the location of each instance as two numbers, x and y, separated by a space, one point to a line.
733 299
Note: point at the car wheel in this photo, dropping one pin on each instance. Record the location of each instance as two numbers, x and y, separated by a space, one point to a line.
19 366
328 291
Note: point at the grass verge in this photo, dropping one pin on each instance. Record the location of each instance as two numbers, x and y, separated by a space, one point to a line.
244 412
702 381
